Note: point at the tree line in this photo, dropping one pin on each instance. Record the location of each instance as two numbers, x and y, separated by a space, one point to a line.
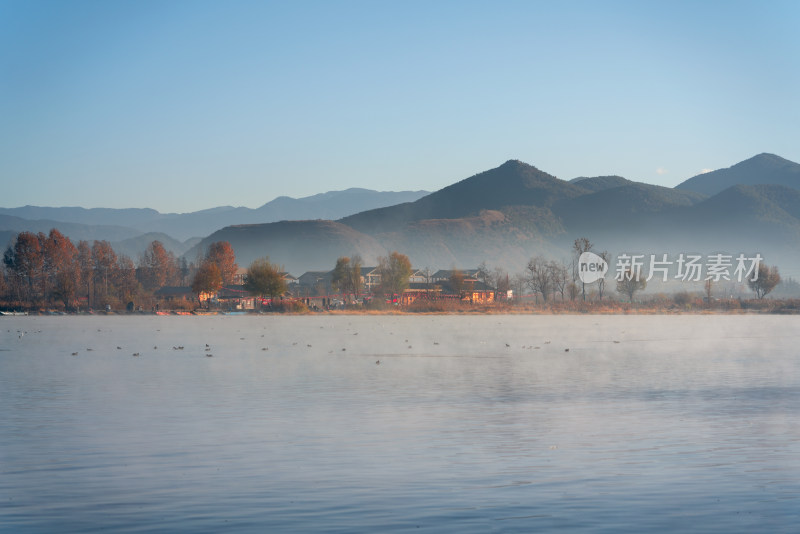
49 270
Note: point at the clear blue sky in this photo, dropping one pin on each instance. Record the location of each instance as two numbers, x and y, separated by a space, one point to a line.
185 105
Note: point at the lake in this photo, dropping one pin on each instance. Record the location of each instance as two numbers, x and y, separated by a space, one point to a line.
497 423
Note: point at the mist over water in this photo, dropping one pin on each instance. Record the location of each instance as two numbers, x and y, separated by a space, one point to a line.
396 423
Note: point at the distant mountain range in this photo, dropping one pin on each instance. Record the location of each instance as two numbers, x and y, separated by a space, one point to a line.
116 225
507 214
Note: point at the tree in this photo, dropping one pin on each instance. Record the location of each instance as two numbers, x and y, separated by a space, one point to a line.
501 281
125 278
560 278
518 283
157 266
629 283
347 275
3 285
601 282
221 253
540 276
340 279
264 279
355 275
184 270
573 291
765 282
395 271
207 279
457 281
86 270
581 245
104 262
484 274
61 267
25 263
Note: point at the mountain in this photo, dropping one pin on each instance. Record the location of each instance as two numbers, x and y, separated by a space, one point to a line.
512 183
298 246
598 183
10 226
763 169
629 209
182 226
134 246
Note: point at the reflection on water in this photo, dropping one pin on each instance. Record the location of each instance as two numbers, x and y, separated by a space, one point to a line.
381 423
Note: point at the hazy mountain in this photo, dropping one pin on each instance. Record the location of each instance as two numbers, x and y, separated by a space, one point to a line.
506 215
598 183
297 245
135 246
626 208
11 226
182 226
511 184
763 169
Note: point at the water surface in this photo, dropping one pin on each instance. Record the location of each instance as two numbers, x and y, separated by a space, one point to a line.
466 424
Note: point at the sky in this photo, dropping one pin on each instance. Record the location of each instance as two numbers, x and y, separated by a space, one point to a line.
188 105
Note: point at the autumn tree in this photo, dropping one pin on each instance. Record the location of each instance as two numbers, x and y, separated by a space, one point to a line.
222 255
157 266
264 279
207 279
24 261
765 282
61 267
629 283
104 264
3 284
395 270
125 279
85 270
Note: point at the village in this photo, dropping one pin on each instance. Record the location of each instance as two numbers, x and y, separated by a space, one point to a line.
318 290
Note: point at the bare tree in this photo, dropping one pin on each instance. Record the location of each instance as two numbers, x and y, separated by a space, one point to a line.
560 274
518 284
501 281
630 283
767 279
601 282
581 245
540 276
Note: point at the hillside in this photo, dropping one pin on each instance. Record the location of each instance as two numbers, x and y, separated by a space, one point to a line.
763 169
598 183
513 183
299 246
